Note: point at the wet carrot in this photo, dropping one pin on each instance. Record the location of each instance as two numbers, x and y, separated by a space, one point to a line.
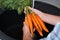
42 24
35 25
26 21
30 24
36 20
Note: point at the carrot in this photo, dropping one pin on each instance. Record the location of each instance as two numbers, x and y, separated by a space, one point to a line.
26 21
33 19
36 20
30 24
35 25
42 24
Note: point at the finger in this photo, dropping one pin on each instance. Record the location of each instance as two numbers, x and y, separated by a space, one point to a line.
32 9
35 10
25 10
34 29
25 28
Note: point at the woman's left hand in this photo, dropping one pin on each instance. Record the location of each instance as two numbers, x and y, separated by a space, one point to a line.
26 33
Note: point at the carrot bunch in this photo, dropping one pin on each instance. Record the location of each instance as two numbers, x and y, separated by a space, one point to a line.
32 21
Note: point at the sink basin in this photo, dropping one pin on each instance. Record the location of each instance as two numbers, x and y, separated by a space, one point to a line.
11 23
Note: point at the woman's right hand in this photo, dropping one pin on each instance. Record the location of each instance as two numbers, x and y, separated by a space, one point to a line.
38 12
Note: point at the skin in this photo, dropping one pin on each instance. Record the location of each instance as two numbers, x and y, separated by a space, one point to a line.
48 18
26 33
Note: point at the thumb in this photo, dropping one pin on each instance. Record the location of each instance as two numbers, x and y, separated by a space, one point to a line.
25 28
35 10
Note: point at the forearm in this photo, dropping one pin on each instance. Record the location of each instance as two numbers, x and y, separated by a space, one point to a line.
51 19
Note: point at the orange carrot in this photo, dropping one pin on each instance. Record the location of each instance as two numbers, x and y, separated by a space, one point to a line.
35 25
42 24
33 19
26 21
36 20
30 24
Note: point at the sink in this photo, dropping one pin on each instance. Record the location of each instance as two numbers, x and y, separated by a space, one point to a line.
11 23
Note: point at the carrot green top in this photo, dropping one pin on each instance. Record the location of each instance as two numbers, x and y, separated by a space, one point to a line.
15 4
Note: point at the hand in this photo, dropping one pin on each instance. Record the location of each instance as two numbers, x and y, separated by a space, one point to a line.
26 33
38 12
